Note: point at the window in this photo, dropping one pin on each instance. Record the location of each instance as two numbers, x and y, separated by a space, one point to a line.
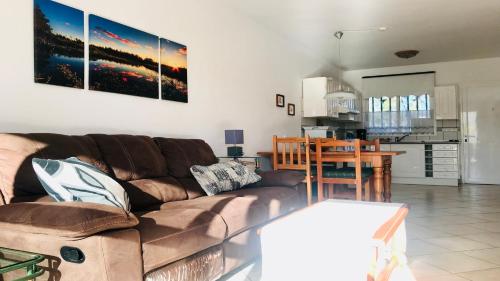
394 104
412 103
386 105
398 115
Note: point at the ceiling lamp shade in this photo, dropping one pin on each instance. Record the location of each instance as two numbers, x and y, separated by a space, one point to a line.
407 54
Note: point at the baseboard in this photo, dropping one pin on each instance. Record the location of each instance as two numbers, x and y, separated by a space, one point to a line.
426 181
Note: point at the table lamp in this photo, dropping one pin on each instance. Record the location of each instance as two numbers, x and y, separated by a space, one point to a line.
234 137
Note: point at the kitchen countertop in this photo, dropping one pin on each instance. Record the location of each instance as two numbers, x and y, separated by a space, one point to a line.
421 142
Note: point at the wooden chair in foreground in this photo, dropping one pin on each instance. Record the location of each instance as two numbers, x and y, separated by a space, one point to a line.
288 155
350 153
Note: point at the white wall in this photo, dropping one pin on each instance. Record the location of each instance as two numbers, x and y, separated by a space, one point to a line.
235 68
461 73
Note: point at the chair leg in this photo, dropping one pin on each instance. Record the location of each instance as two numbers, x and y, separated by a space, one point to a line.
372 186
321 192
367 190
359 191
331 190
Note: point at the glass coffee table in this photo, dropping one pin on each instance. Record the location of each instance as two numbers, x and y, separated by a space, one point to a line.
19 265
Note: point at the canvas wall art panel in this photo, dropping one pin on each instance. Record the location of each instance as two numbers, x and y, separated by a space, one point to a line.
174 84
58 44
122 59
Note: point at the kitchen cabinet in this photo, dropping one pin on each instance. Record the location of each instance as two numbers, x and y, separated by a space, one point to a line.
427 164
411 164
445 99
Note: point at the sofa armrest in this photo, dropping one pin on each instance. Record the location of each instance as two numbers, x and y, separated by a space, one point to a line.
64 219
281 178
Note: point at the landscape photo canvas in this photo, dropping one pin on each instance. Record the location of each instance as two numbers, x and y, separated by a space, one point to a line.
58 42
122 59
173 58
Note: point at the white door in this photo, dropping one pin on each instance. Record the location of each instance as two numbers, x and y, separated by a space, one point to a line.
482 135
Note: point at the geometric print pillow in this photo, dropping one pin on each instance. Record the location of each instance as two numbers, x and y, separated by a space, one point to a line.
222 177
74 180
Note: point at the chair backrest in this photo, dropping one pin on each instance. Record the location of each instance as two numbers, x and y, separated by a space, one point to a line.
291 153
373 145
350 151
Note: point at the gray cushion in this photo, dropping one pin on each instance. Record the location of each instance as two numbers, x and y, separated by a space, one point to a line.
224 176
74 180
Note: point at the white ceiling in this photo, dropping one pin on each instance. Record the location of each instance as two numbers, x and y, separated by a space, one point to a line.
443 30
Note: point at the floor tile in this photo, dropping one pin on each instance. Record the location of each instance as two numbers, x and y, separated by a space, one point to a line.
492 238
458 229
489 255
449 277
489 226
417 247
458 243
456 262
422 269
482 275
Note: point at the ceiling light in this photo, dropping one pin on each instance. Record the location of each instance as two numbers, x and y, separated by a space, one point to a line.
406 54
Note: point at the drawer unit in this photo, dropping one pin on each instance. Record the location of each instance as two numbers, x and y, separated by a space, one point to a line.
445 168
446 147
445 175
444 154
444 161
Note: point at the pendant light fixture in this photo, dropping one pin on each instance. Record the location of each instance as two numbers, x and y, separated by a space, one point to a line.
342 99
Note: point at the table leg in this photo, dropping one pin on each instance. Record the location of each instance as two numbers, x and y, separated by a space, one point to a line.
387 180
378 183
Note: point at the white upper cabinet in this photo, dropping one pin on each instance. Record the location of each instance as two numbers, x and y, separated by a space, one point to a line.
313 96
445 98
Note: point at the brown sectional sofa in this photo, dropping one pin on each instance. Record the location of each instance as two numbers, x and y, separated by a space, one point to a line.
175 231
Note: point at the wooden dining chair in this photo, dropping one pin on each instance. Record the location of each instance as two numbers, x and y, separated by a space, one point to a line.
350 152
294 154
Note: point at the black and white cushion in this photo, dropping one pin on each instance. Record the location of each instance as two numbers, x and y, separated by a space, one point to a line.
224 176
74 180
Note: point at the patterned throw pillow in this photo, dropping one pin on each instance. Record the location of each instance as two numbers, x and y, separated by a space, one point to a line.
74 180
224 176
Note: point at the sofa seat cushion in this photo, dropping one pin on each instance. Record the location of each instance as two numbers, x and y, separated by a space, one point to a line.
171 235
245 208
145 193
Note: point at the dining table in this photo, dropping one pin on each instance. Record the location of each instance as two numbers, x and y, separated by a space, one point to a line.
380 161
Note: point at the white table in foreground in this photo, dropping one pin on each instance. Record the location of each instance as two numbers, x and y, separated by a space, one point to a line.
337 240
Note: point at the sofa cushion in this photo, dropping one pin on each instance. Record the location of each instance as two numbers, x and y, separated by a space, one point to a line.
72 180
181 154
131 157
17 178
146 193
193 188
170 235
225 176
64 219
245 208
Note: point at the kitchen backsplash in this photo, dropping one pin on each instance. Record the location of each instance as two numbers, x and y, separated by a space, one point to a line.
445 129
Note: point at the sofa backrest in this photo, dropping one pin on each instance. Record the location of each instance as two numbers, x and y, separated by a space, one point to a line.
180 155
136 161
152 171
17 177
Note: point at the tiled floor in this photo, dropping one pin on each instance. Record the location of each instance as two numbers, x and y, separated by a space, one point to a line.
453 233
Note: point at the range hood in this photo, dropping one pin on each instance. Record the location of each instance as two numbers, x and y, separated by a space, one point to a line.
320 100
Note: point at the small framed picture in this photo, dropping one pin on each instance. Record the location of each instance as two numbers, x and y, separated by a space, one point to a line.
291 109
280 100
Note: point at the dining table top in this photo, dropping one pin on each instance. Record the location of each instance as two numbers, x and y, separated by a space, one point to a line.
342 153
